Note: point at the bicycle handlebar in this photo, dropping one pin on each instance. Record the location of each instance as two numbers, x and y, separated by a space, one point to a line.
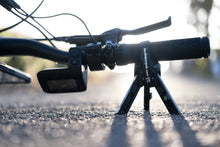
17 46
123 53
165 50
180 49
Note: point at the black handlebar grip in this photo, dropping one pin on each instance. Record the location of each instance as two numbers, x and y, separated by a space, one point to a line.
164 50
180 49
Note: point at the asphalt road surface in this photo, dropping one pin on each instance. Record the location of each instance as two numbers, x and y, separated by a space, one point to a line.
29 117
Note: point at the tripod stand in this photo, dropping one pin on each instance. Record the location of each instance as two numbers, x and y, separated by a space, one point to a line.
147 74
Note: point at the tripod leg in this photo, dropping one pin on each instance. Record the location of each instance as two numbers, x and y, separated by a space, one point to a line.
166 97
130 96
147 97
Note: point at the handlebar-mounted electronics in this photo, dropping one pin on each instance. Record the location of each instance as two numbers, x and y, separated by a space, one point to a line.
108 52
70 79
96 52
94 55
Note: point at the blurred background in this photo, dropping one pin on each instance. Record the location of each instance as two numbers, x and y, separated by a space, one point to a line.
190 18
29 117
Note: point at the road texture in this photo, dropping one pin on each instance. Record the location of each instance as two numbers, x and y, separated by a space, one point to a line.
29 117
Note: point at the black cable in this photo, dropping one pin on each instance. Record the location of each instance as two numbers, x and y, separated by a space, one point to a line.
33 18
9 4
10 27
25 19
35 28
30 16
14 25
60 14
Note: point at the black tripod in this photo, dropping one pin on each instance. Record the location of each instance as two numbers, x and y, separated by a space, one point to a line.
147 74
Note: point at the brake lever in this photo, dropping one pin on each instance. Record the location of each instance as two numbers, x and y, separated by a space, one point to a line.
147 29
114 35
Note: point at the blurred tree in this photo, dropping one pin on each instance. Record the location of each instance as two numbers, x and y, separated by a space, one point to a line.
199 15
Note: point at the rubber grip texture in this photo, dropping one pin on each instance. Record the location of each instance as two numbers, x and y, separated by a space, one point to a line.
180 49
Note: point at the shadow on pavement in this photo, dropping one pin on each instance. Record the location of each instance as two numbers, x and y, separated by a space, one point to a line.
118 135
151 135
188 136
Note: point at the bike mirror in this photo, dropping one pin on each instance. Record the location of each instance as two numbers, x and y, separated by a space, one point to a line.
10 75
62 80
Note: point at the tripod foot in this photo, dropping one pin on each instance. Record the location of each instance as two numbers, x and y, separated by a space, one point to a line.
166 97
130 96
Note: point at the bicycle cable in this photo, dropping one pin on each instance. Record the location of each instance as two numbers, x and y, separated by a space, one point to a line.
14 25
30 16
25 19
70 14
44 17
35 28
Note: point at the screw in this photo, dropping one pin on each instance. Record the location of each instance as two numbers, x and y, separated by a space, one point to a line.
165 98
